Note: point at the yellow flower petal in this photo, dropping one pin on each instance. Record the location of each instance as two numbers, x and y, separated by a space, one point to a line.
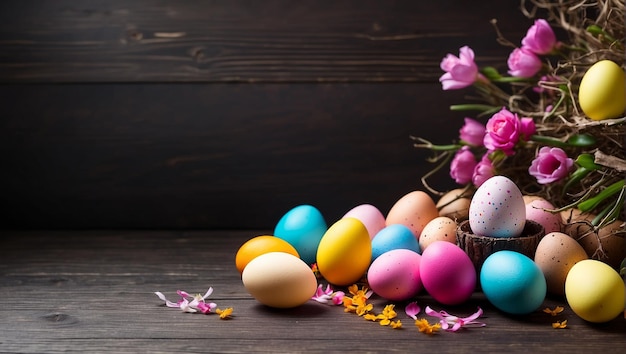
224 313
425 327
396 324
554 312
385 322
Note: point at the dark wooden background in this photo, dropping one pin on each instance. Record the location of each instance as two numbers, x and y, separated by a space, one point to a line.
225 114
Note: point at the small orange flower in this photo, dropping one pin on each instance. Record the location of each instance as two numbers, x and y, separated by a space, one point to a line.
559 325
224 314
425 327
554 312
396 324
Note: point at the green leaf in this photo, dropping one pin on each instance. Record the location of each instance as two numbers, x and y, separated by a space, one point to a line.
491 73
591 203
587 161
581 140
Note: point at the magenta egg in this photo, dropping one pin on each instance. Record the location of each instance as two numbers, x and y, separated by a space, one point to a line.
447 273
395 275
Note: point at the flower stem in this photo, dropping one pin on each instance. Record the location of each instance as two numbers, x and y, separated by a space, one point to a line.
591 203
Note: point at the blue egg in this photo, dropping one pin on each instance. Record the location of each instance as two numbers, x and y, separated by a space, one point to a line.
512 282
302 227
392 237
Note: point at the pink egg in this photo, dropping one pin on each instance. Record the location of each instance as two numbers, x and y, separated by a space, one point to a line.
370 216
395 275
537 210
447 273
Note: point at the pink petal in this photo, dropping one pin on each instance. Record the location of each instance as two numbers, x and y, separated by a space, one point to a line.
168 303
208 293
183 293
412 310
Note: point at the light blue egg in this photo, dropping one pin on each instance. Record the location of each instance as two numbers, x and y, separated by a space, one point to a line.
392 237
303 228
512 282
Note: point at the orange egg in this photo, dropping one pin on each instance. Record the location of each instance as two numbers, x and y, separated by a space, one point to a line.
260 245
414 210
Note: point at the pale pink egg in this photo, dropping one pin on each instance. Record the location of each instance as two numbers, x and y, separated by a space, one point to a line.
395 275
538 210
370 216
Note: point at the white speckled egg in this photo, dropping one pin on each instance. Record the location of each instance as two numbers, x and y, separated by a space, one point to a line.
497 209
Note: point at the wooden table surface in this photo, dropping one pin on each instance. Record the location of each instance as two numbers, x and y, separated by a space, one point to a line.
93 291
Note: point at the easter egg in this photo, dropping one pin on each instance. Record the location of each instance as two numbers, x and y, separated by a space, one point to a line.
303 228
556 254
539 210
455 204
447 273
395 275
595 291
344 252
394 237
512 282
414 210
279 279
370 216
441 228
601 93
259 245
606 244
497 209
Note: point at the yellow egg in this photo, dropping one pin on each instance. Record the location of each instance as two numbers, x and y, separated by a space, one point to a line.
602 92
344 252
595 291
279 279
259 245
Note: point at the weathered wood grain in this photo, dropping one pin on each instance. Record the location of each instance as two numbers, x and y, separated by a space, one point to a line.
211 156
93 292
246 40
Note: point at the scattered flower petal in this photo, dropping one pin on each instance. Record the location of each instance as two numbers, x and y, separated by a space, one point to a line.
554 312
559 325
190 303
425 327
453 323
412 310
396 324
328 296
225 313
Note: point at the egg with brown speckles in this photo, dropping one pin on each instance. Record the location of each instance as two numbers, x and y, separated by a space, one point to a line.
556 254
438 229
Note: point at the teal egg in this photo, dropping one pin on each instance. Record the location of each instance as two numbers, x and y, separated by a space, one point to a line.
392 237
512 282
302 227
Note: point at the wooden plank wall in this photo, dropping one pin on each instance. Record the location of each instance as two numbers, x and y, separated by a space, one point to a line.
225 114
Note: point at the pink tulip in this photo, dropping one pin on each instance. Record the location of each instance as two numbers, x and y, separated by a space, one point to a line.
483 171
462 165
527 128
503 132
523 63
460 71
550 165
473 132
540 38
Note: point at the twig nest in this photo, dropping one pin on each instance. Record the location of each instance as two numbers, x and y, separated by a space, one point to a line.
479 247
